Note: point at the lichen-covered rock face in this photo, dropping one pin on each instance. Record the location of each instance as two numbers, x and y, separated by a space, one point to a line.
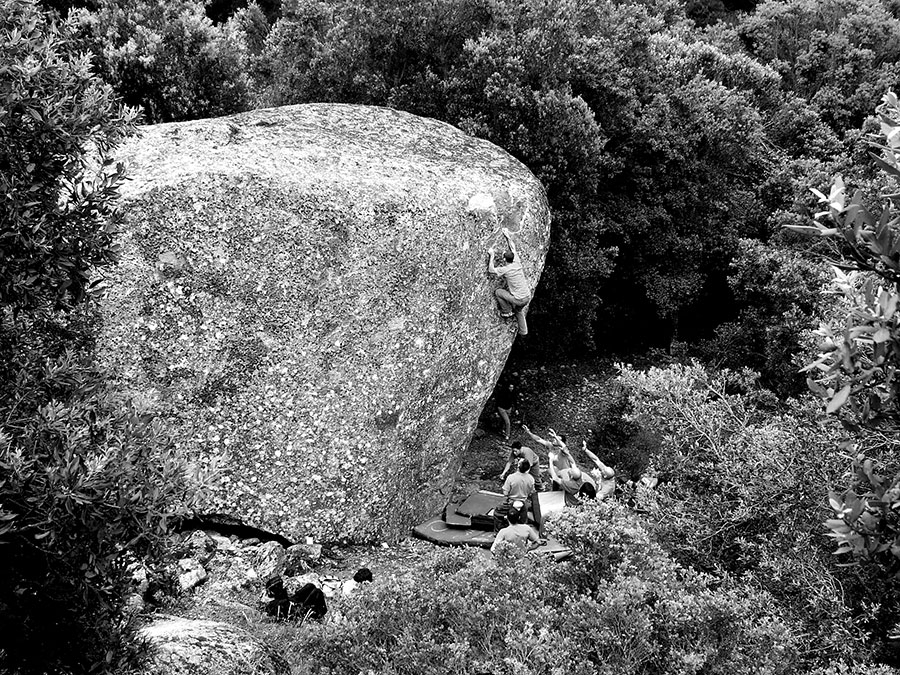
195 647
304 296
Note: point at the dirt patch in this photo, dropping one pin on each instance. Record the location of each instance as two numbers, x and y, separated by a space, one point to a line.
563 396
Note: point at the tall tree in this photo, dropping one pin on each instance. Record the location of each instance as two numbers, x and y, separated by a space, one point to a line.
58 124
166 57
85 476
840 55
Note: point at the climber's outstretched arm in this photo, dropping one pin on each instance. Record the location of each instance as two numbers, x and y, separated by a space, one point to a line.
512 246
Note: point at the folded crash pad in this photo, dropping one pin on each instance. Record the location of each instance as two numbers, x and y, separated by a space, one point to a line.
546 503
480 503
454 519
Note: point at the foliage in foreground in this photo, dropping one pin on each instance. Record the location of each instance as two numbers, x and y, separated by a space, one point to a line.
58 124
742 491
87 482
86 479
857 371
621 606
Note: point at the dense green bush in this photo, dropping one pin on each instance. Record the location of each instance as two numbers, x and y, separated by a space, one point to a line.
620 440
56 206
840 55
167 58
87 480
860 353
742 490
86 477
779 299
619 607
856 372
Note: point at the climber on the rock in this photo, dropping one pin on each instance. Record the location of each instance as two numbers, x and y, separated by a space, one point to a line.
519 294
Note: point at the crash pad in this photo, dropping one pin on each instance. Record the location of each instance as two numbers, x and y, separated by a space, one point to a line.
437 531
454 519
480 503
547 503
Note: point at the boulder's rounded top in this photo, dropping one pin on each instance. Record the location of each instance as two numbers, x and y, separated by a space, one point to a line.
313 143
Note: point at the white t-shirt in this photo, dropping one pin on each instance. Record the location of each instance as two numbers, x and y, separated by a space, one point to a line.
515 279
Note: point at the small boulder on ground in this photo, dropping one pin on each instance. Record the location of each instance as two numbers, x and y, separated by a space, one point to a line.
269 560
195 647
198 545
299 557
191 573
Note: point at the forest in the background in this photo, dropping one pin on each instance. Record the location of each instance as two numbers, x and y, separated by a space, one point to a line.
681 145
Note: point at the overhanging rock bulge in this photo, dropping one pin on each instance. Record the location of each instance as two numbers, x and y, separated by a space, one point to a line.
303 295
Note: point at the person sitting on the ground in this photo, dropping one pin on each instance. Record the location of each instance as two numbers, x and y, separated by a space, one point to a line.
604 475
310 601
517 533
557 450
307 601
519 452
519 485
506 403
519 294
363 575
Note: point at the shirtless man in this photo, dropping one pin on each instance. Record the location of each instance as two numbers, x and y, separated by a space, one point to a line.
517 533
574 481
519 294
604 475
557 450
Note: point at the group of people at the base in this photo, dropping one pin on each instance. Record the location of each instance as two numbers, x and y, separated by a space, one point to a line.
522 478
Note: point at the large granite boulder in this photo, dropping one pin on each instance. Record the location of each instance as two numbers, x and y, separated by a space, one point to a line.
303 295
196 647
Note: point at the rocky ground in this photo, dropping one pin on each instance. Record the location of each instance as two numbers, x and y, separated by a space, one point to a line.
213 606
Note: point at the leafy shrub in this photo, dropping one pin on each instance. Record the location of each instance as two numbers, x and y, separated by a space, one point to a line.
57 123
742 490
167 57
619 606
778 295
620 440
86 477
856 372
86 480
839 55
